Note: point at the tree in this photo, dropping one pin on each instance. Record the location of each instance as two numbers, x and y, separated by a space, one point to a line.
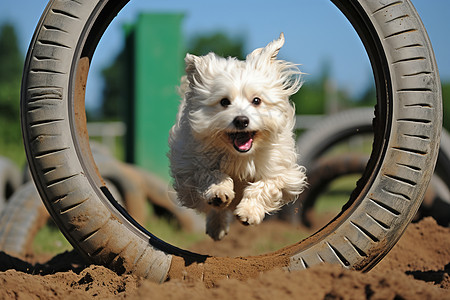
11 65
368 97
312 97
10 73
115 89
219 43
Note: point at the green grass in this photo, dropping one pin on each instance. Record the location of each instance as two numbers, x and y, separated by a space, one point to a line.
50 240
14 152
272 243
336 195
169 231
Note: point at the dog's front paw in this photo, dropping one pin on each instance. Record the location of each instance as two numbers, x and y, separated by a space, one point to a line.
249 212
220 195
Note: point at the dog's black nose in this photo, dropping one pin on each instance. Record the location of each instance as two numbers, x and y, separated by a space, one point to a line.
241 122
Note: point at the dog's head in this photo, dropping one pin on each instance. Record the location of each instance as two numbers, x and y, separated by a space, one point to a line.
239 105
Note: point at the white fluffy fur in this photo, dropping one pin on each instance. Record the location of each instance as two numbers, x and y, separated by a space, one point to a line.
209 174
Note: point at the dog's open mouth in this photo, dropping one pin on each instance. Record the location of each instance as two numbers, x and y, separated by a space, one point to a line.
242 140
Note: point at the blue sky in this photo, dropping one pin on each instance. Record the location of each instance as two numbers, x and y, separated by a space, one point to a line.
315 32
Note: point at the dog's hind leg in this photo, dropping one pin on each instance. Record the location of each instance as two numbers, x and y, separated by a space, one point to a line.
218 223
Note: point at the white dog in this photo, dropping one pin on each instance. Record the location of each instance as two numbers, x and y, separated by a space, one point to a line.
232 149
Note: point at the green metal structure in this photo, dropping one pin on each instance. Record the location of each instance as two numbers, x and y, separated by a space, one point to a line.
155 53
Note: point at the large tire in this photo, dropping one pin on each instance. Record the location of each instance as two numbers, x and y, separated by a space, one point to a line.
23 217
339 127
332 130
407 130
127 182
323 172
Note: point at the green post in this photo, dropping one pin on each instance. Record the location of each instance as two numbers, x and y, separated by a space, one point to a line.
156 54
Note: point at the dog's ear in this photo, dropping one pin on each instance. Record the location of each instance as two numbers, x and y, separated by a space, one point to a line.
194 68
269 52
190 62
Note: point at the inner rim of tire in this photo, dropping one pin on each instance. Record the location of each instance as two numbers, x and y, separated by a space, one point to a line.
351 9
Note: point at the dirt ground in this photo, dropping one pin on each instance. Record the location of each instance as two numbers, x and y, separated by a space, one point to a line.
418 267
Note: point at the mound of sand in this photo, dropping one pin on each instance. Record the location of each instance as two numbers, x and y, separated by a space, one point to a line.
418 267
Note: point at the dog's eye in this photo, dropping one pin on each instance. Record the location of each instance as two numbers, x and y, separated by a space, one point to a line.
225 102
256 101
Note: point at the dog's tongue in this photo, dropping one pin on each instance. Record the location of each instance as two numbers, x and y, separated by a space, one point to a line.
243 141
